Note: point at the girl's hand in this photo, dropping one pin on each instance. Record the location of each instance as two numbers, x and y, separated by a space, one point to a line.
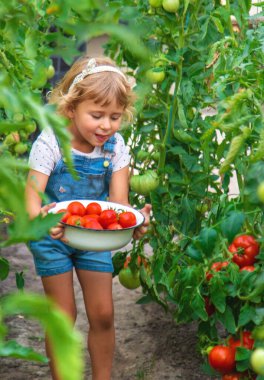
57 231
44 210
142 230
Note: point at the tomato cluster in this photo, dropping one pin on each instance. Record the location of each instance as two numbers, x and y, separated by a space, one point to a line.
92 216
244 249
223 357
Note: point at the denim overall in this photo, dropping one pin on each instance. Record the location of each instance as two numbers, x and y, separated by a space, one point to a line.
94 174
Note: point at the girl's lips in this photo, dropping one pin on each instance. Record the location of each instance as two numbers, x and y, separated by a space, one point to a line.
101 137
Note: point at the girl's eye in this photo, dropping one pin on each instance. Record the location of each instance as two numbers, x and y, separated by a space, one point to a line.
115 117
95 116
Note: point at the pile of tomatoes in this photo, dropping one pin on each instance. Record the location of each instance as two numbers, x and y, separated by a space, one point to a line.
92 216
223 357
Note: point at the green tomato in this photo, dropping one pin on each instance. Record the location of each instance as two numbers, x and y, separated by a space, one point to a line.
50 71
142 155
155 3
11 139
129 279
156 156
260 191
39 78
257 361
155 76
171 5
258 332
31 127
18 117
21 148
145 183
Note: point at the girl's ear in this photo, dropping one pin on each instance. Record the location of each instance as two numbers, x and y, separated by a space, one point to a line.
70 112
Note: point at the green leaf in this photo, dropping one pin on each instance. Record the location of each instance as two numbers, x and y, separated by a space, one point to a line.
218 24
197 304
218 294
4 268
247 314
207 240
228 320
20 281
66 341
13 349
232 224
242 358
194 253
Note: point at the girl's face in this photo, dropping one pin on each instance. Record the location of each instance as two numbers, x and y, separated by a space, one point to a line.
92 124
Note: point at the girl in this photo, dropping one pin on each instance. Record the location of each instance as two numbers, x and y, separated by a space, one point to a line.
95 96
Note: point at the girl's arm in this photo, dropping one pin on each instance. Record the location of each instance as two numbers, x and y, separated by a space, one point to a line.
36 184
118 192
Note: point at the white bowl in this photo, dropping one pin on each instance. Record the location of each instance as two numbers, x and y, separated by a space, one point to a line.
98 240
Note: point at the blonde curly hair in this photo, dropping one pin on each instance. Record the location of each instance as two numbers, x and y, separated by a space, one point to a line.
100 87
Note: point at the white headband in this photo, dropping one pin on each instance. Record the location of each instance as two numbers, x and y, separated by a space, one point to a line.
91 68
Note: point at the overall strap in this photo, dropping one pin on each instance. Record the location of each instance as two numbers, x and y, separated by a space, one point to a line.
110 145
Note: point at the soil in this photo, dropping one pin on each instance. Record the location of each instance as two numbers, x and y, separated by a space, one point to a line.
149 345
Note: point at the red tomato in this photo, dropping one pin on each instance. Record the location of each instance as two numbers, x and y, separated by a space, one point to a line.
127 219
248 341
74 220
232 376
216 267
114 226
245 249
93 224
87 218
222 359
209 307
65 216
249 268
234 343
93 208
76 208
61 210
107 217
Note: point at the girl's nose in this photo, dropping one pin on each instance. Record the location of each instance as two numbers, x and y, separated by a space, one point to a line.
106 124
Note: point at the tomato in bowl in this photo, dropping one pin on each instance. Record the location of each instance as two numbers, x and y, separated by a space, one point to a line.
98 225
